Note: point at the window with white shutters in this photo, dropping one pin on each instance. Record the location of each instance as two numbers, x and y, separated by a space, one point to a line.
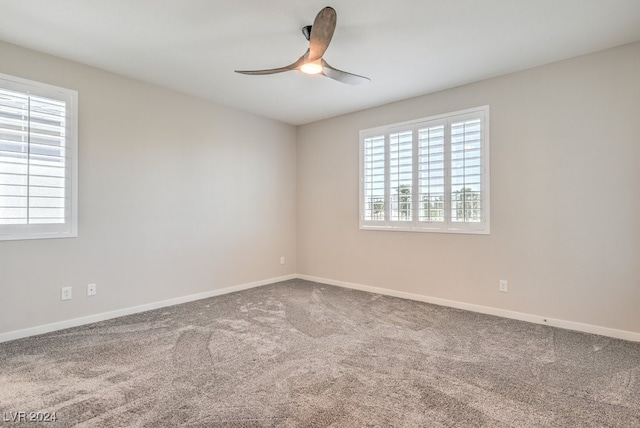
38 160
426 175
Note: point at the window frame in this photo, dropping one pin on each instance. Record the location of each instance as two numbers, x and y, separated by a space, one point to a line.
415 225
68 229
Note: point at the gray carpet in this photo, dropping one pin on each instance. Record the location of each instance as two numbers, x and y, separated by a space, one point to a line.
302 354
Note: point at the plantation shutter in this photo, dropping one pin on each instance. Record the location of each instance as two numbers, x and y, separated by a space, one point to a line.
427 175
401 175
466 170
374 178
36 192
431 176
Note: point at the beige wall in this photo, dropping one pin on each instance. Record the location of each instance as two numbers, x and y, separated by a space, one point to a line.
565 204
176 197
169 189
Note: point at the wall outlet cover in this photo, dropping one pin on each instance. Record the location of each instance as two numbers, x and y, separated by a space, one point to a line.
92 289
66 293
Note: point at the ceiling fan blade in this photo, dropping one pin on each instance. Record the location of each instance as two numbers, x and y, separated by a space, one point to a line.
321 33
289 67
342 76
267 71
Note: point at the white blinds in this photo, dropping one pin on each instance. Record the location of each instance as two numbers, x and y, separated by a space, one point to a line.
432 173
32 159
37 160
374 178
466 170
400 175
429 174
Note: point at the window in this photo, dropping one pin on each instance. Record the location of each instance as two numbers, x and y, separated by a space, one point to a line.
427 175
38 160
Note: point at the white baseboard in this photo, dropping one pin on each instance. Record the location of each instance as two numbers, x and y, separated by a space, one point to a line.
47 328
538 319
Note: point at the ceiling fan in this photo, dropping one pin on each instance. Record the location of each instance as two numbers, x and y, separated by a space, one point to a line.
319 36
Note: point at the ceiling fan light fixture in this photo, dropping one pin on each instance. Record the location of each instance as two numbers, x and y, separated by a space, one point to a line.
311 67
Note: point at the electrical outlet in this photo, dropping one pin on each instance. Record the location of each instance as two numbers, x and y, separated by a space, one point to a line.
66 293
92 289
282 260
504 286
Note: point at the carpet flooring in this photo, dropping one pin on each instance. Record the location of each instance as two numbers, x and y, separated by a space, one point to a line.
303 354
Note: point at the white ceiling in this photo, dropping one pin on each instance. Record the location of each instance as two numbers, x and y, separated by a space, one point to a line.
407 47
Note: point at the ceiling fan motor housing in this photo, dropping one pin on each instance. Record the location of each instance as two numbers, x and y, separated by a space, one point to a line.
307 32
